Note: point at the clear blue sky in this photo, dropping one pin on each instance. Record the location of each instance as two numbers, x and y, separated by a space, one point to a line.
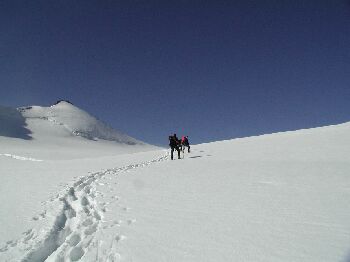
210 69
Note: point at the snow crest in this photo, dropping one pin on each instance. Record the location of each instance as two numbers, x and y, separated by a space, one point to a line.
77 122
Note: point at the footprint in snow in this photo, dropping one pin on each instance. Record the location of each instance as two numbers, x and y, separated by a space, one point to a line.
28 235
27 232
131 221
86 210
11 243
119 238
88 222
114 257
87 189
84 201
90 230
116 223
3 249
97 215
74 240
71 194
76 254
98 193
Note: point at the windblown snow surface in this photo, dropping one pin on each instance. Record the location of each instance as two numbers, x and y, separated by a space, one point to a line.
279 197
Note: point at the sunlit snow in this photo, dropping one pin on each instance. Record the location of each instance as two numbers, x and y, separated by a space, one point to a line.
279 197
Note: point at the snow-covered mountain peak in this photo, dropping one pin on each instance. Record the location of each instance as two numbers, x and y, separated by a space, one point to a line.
63 102
75 121
64 105
61 131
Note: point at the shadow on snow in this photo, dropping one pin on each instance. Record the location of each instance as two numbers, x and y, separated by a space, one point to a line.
13 124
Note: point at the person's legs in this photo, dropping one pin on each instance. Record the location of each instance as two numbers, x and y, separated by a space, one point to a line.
172 153
178 152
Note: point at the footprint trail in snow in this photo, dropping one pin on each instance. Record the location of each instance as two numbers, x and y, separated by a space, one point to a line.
72 232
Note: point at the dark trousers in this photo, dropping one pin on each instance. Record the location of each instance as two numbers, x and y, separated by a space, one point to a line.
186 145
172 152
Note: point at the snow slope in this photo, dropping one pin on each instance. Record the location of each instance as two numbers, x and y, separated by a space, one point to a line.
279 197
13 124
38 146
77 122
61 131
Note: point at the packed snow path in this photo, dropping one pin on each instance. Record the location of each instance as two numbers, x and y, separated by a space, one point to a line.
80 218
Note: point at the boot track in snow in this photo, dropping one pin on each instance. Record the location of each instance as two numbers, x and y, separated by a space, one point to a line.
74 227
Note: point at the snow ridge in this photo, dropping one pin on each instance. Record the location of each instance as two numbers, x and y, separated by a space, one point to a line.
73 230
21 157
77 122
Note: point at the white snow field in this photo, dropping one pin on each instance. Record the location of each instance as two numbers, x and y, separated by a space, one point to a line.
42 149
279 197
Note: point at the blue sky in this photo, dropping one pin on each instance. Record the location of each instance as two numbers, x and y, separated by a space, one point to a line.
212 70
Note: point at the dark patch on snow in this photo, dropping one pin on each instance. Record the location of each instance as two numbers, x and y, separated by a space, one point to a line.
195 156
13 124
131 143
62 100
85 135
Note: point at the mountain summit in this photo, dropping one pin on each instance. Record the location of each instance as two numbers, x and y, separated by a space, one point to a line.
74 121
61 131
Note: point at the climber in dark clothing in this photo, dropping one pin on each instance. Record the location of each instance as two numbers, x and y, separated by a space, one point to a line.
185 143
174 145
